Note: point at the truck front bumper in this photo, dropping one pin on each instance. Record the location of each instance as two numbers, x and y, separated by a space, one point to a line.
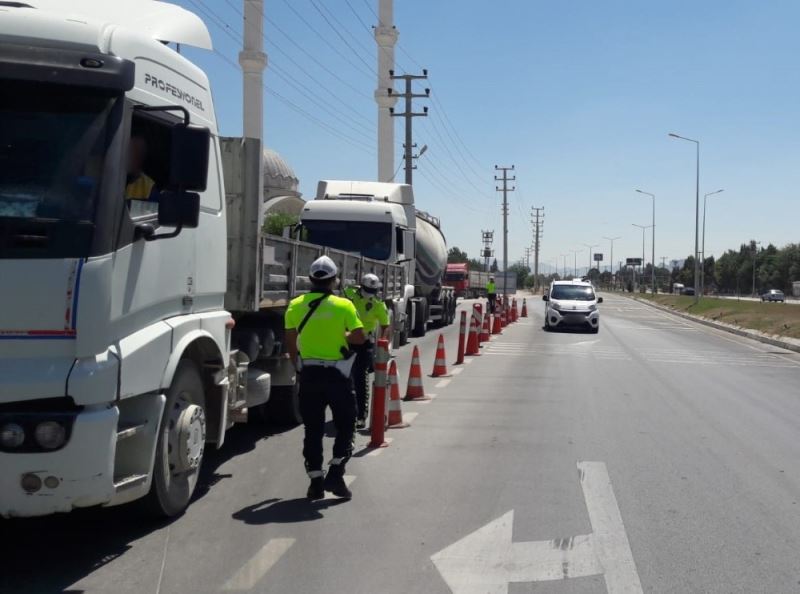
78 475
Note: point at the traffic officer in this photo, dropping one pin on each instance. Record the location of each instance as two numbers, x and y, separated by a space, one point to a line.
373 313
320 327
491 293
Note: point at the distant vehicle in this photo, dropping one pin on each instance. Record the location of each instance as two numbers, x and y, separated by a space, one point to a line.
471 284
571 303
687 291
677 288
774 295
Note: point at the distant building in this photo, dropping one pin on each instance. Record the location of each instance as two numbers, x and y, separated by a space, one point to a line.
281 193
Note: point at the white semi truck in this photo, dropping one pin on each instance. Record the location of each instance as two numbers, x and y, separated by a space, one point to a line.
380 221
132 333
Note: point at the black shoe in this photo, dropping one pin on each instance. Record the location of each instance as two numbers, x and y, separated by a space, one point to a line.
361 423
316 490
334 482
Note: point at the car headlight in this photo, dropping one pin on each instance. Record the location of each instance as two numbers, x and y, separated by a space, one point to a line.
11 435
555 306
50 435
593 307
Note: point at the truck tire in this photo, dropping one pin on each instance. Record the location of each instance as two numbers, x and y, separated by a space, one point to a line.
180 445
421 319
283 406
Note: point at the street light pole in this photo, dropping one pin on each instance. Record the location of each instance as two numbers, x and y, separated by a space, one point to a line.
653 241
703 248
696 217
612 239
590 257
755 253
575 263
643 228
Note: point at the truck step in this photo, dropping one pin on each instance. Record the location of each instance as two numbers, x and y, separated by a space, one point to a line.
127 482
126 430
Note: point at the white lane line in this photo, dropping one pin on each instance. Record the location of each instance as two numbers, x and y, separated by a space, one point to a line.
456 371
443 383
257 567
409 417
611 542
379 451
430 399
468 361
348 480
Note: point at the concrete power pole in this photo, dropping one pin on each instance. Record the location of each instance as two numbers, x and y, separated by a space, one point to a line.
505 189
409 115
253 61
538 221
385 38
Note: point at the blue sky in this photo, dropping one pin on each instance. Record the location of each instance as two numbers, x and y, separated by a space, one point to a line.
578 95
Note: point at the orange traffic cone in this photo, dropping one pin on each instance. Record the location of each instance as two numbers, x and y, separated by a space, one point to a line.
497 326
395 420
524 313
485 334
440 362
473 347
415 390
514 310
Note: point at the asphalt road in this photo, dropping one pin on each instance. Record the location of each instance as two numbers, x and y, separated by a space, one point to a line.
656 456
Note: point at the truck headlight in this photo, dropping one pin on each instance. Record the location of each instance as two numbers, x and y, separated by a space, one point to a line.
50 435
11 435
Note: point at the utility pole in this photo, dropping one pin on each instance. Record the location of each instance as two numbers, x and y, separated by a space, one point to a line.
409 114
611 257
527 259
538 220
755 253
589 269
487 237
505 189
385 39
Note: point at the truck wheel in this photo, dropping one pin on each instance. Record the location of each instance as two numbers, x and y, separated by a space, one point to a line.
421 320
181 443
283 406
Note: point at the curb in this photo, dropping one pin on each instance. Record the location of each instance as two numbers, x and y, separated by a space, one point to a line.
751 334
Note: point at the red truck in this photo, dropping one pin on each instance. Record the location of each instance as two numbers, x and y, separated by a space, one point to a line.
471 284
457 276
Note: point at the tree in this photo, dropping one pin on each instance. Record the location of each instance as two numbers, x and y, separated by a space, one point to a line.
456 256
521 271
274 223
475 264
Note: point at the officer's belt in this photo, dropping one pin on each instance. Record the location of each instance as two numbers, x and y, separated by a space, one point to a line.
343 366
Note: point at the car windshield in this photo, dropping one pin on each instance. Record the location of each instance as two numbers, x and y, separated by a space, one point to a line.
572 293
52 149
371 240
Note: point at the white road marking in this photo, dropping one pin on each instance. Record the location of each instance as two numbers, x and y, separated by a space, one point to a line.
487 560
611 542
379 451
257 567
443 383
430 399
456 371
468 361
409 417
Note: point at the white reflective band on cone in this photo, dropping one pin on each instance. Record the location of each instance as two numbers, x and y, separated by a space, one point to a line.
315 474
336 461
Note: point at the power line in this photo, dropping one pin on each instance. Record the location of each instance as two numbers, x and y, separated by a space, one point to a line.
342 37
325 40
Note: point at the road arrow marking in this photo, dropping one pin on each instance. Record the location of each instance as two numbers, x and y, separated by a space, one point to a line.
487 560
257 567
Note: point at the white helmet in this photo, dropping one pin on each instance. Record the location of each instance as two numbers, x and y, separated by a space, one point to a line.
370 283
323 268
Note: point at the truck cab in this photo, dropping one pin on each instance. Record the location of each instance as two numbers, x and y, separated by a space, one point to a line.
115 369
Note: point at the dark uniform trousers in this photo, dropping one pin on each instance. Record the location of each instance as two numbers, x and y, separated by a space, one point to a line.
362 367
492 302
322 387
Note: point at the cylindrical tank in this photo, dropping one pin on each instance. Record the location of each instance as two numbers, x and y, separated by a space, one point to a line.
431 256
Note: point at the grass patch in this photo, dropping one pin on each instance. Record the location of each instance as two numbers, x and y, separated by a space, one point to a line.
773 318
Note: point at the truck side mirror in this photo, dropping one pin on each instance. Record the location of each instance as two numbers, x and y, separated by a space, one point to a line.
188 168
179 209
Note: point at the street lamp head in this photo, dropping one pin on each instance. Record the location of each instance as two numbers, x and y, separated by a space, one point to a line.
674 135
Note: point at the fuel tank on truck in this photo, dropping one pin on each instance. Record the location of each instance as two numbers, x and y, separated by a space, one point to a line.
431 254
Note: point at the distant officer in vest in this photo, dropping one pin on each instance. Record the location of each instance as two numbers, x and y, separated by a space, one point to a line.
373 314
491 293
320 328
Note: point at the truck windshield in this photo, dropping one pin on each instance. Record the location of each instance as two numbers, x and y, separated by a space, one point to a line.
455 276
52 151
570 293
371 240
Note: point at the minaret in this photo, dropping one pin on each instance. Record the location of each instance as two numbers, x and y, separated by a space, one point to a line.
253 61
385 38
